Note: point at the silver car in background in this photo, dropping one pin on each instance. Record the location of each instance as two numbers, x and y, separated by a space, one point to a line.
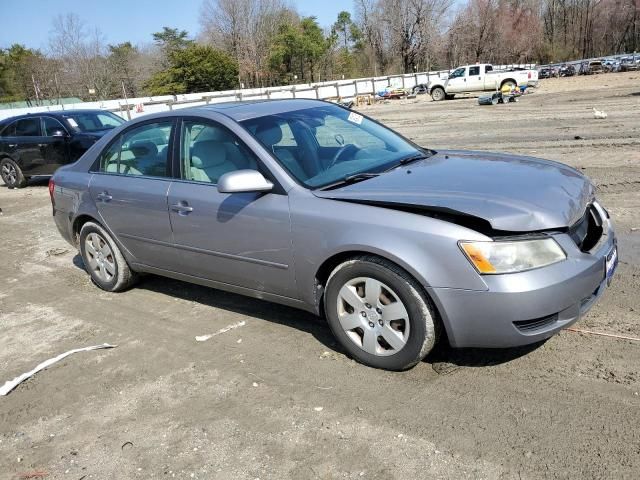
312 205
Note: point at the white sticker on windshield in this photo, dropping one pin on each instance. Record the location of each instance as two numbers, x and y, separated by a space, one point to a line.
355 118
72 122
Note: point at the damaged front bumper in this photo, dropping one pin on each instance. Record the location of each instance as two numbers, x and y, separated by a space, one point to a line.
527 307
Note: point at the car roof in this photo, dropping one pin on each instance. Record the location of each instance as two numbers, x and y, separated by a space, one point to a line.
248 109
56 113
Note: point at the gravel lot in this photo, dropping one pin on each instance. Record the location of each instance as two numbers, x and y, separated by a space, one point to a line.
276 398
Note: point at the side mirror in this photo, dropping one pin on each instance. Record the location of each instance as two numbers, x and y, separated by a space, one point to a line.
244 181
59 134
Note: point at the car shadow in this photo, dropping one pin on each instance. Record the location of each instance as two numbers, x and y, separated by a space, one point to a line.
32 182
443 359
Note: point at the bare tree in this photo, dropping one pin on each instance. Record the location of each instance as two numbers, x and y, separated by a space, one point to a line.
82 55
245 29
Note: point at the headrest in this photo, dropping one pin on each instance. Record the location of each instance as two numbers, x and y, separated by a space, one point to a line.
207 154
213 133
269 134
143 148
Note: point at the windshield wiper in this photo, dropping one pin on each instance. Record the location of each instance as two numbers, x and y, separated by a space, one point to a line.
410 159
349 179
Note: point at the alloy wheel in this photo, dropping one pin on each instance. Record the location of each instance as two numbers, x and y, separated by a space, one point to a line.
9 174
100 257
373 316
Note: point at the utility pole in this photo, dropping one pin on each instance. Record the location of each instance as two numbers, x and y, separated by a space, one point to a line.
35 89
55 78
126 100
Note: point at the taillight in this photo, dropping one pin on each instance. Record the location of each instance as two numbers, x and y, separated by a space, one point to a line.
52 186
529 75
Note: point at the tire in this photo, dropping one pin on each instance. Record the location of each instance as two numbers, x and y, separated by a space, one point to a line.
11 174
103 260
437 94
411 326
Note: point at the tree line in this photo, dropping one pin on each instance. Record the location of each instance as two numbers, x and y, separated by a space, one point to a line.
259 43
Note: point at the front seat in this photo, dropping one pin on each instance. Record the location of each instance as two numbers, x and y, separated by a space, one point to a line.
270 135
209 161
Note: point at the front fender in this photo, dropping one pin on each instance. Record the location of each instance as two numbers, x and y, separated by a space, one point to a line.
425 247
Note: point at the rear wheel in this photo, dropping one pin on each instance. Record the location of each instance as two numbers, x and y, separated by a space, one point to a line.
379 314
437 94
103 260
11 174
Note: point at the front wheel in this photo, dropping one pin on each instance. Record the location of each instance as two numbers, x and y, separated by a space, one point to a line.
437 94
379 314
11 174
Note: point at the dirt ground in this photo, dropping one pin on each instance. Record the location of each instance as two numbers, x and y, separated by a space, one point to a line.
276 398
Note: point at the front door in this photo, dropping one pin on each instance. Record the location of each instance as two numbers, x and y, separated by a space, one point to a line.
54 144
241 239
130 188
457 81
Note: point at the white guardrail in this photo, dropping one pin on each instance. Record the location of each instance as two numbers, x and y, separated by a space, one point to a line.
345 89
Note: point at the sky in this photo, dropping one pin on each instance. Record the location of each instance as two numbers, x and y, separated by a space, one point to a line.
29 21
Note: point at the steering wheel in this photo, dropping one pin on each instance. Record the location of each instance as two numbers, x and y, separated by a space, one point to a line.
341 151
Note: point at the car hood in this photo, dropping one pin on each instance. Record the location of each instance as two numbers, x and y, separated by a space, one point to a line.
512 193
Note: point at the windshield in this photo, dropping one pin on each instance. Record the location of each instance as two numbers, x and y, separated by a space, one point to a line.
93 122
321 145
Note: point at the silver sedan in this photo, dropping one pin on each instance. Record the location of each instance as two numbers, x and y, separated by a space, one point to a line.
315 206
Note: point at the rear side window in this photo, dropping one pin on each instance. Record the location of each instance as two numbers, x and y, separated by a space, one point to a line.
9 131
474 71
28 127
141 151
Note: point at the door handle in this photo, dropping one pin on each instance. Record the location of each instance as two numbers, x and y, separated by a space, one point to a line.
13 145
182 208
104 197
42 144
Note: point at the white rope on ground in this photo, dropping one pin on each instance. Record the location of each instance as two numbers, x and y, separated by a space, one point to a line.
11 384
623 337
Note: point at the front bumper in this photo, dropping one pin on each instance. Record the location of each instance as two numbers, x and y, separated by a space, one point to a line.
527 307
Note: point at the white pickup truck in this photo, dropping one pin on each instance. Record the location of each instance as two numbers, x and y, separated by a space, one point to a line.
479 78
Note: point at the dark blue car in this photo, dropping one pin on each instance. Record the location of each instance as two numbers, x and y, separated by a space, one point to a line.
37 144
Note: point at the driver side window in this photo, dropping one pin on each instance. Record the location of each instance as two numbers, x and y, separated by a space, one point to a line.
209 150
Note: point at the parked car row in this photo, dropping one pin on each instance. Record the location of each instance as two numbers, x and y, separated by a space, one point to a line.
38 144
591 67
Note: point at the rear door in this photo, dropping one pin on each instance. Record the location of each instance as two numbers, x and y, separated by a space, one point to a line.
130 186
24 146
475 80
241 239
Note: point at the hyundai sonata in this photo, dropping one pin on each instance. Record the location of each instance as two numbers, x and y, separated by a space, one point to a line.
315 206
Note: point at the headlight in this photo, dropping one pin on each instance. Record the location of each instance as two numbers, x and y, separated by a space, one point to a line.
512 256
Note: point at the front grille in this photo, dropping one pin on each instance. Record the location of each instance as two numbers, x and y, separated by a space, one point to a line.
587 231
528 326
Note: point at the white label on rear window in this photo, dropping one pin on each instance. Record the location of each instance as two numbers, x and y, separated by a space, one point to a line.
72 122
355 118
